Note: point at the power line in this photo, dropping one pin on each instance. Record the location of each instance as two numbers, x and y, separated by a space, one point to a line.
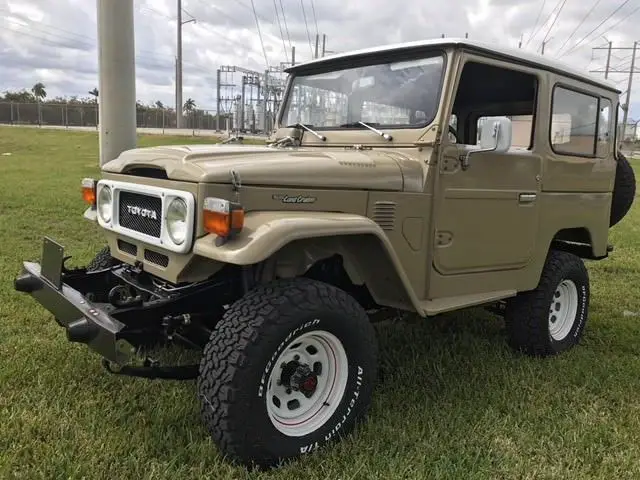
284 46
554 22
533 31
286 27
596 28
264 52
315 19
306 26
580 24
548 18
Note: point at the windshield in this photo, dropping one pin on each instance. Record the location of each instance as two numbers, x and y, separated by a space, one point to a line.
403 94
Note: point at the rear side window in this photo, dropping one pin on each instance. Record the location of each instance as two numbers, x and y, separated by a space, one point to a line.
605 127
574 118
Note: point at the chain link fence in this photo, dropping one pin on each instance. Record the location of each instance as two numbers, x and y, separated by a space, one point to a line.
86 115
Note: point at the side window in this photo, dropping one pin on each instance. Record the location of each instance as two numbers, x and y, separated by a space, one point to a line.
605 127
574 117
486 90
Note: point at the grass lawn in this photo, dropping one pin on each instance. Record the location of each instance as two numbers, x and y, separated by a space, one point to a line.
455 402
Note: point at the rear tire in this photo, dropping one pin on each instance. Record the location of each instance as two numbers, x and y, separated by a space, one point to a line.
289 368
551 318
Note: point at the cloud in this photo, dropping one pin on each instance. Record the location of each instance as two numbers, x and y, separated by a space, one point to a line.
57 45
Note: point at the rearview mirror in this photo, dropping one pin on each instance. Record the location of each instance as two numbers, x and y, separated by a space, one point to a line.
495 136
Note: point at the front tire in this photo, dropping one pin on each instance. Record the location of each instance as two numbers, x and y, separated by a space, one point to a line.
289 368
552 318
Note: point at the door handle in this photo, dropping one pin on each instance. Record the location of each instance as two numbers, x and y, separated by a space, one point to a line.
527 197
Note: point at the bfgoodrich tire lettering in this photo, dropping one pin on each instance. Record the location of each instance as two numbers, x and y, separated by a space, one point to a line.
529 317
241 355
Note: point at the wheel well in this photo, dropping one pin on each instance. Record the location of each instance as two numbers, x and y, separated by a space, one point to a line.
331 270
576 235
575 240
357 263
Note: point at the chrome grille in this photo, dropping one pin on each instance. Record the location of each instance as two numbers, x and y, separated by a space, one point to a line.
139 221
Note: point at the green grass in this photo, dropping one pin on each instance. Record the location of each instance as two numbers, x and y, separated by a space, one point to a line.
455 402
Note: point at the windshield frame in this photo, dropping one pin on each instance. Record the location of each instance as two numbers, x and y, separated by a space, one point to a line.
379 58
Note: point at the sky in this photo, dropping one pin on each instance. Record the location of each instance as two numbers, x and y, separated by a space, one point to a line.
54 41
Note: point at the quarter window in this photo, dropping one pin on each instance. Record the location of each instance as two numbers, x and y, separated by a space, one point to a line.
573 122
605 127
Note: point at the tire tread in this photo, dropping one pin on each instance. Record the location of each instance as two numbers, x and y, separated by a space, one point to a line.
246 325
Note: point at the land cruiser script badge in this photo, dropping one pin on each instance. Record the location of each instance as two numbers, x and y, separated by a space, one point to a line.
294 198
142 212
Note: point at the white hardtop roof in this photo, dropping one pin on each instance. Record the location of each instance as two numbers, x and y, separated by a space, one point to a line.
519 55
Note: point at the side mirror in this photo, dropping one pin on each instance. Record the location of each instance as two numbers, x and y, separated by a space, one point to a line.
495 136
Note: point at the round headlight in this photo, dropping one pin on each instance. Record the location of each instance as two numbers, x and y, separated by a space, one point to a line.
177 220
104 204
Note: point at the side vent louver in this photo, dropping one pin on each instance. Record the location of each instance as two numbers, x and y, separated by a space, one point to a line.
384 214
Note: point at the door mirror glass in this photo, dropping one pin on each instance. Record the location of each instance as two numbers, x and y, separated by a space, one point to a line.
495 134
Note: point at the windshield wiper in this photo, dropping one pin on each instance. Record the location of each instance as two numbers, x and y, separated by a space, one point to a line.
386 136
301 125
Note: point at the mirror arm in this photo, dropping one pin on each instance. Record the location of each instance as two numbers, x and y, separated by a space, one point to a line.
464 159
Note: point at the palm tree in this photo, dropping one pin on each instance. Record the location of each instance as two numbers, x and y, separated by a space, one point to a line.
159 105
190 108
40 93
94 93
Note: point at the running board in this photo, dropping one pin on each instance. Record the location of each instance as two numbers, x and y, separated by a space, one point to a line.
447 304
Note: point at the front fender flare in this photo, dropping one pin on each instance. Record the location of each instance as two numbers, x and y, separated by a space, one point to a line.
266 233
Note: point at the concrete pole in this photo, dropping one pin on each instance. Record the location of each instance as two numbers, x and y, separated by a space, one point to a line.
606 69
324 44
179 117
626 107
293 55
218 100
117 83
242 101
315 55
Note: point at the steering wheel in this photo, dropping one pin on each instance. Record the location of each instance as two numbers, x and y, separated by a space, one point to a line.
454 134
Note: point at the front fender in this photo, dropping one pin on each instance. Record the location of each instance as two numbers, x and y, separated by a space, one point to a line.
266 233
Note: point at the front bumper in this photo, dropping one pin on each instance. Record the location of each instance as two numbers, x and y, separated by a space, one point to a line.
83 321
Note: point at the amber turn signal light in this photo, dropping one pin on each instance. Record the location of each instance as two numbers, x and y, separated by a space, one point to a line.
222 217
89 191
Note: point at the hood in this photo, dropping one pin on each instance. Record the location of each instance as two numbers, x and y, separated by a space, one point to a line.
258 165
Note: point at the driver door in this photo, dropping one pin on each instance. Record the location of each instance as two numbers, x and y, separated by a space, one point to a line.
486 216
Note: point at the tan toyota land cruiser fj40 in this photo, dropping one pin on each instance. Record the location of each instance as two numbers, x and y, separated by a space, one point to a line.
423 177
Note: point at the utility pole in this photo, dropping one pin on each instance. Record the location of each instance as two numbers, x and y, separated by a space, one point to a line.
180 23
606 70
179 118
543 44
317 44
324 44
293 55
117 78
626 107
631 71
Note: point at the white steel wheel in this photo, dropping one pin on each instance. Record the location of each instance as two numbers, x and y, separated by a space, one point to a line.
563 310
307 383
